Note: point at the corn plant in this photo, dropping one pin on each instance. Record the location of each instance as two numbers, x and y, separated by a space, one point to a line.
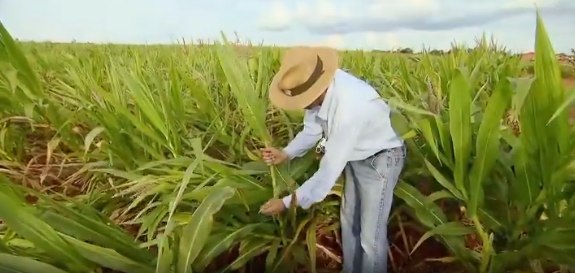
53 236
506 165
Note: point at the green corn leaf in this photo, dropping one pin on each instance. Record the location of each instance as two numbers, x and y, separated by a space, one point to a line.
19 61
18 264
487 145
197 231
90 138
446 229
460 128
427 213
521 87
272 255
426 131
165 258
564 106
248 250
166 254
108 258
430 215
88 229
25 223
249 101
311 241
446 142
442 180
219 243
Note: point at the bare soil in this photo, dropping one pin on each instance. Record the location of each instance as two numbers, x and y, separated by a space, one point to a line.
569 83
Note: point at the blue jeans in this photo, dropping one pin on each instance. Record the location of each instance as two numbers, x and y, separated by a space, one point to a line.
369 186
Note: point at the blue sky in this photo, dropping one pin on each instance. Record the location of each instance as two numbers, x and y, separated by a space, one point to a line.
366 24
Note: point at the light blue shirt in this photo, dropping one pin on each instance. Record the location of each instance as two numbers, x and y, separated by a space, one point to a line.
356 123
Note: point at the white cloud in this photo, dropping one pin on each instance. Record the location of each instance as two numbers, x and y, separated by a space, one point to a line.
402 9
331 17
391 40
303 10
334 41
371 38
309 13
278 18
326 10
316 13
534 3
387 40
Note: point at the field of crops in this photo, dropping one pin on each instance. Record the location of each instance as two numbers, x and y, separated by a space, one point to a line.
144 159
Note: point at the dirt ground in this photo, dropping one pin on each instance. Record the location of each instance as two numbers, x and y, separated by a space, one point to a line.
569 82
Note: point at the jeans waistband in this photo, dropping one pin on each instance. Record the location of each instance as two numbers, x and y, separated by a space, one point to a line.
401 148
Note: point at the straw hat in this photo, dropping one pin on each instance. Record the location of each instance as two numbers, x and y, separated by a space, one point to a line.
305 73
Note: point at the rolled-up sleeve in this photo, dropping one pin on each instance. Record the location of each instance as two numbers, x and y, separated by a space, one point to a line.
306 138
339 146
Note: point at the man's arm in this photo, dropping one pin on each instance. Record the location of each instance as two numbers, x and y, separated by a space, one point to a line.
338 148
305 139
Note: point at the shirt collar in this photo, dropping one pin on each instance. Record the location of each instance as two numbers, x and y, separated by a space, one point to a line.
327 102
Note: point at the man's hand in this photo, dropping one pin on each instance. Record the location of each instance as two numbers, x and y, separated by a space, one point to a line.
273 156
272 207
